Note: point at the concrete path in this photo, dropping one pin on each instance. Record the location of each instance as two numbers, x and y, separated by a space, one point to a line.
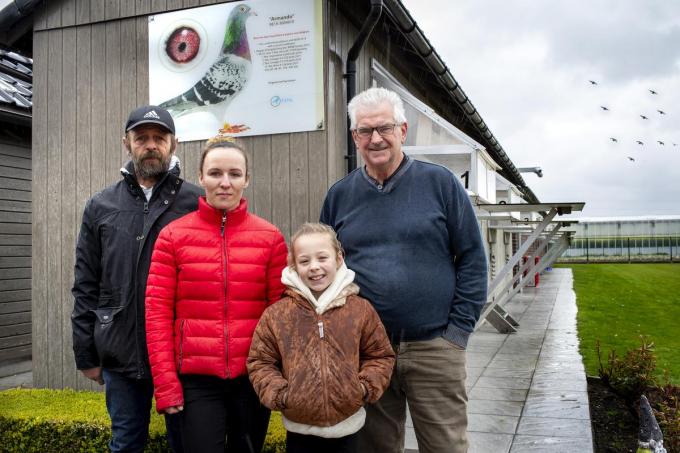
527 391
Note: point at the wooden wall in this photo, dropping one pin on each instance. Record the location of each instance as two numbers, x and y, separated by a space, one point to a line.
90 71
15 250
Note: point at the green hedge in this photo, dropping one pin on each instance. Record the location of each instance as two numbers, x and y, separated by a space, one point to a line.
43 421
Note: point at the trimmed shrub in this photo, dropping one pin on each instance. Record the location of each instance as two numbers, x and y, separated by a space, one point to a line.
42 420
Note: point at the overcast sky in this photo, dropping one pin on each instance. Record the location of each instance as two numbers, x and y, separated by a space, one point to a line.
526 67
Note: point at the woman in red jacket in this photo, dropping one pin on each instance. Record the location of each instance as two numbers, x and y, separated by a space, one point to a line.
212 274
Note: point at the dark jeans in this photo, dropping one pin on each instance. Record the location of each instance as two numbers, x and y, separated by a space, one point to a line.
128 402
215 409
300 443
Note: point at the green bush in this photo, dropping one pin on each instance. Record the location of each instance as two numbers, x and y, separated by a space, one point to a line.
41 420
631 374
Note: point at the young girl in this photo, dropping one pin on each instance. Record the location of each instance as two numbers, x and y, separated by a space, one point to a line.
320 353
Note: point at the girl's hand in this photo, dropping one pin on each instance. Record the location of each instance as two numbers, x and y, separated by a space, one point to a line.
173 409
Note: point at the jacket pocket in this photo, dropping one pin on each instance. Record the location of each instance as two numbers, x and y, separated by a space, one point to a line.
180 349
112 335
105 315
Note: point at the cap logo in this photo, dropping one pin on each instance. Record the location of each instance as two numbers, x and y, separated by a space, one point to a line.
152 114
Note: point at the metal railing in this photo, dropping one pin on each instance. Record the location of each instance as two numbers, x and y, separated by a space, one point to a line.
623 249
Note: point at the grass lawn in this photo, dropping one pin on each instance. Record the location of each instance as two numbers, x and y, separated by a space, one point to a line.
619 302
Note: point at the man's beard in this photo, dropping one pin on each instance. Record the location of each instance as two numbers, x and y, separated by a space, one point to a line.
147 168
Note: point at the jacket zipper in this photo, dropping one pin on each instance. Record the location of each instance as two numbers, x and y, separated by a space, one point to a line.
224 281
140 370
324 364
181 345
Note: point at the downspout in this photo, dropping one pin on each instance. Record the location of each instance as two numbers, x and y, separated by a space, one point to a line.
351 72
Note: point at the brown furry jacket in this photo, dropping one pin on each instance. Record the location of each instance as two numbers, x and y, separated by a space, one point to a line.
311 366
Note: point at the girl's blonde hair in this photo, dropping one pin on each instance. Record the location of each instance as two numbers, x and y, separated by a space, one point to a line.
314 228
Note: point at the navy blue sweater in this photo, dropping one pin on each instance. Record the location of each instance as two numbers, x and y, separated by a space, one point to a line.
416 248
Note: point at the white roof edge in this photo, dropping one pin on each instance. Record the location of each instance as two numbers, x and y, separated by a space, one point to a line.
642 218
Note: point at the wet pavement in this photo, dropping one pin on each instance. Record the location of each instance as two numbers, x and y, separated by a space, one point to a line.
527 390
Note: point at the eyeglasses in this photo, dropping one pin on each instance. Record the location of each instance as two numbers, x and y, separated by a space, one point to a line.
367 132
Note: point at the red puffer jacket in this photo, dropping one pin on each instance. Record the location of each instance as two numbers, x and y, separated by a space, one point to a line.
208 286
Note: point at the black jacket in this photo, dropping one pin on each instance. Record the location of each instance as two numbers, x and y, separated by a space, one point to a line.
113 253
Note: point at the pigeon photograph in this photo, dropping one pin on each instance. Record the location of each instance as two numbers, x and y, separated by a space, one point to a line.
241 68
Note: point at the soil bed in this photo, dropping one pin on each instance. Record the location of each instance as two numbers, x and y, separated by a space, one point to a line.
614 427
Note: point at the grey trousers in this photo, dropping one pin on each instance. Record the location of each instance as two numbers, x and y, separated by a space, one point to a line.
430 376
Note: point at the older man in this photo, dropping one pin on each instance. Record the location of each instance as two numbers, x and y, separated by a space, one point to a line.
410 233
120 226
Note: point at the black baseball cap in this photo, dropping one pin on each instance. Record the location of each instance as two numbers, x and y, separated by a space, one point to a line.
150 114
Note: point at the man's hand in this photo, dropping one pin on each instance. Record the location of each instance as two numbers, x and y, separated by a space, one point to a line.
94 374
173 409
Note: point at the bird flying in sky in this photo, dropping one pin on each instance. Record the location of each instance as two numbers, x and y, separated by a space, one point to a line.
660 142
227 76
613 139
643 117
653 92
631 159
639 142
604 108
661 112
592 82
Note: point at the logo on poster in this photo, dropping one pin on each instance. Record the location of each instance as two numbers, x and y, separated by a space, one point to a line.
275 101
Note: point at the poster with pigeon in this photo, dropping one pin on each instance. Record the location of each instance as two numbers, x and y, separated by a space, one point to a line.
245 68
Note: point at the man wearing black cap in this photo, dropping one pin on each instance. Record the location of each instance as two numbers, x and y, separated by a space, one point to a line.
120 225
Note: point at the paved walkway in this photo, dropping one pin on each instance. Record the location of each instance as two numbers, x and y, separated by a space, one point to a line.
527 390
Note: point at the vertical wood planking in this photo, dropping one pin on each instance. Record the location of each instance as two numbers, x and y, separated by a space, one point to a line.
192 155
249 193
39 207
68 13
53 10
98 109
190 3
158 6
299 180
68 198
318 178
112 9
40 18
142 60
173 5
83 136
331 90
82 11
128 79
97 10
54 244
127 8
262 175
280 182
113 126
142 7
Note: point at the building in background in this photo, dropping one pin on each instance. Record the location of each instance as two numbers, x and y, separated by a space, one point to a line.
16 87
625 239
